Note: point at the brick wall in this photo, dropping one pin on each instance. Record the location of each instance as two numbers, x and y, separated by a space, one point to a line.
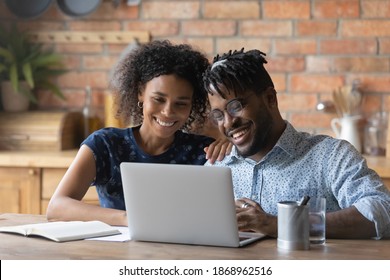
312 46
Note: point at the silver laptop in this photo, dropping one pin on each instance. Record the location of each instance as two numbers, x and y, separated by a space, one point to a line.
182 204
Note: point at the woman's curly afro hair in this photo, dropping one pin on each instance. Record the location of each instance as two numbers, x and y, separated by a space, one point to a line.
151 60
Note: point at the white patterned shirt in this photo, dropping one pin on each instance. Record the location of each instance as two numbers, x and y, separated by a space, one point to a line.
315 165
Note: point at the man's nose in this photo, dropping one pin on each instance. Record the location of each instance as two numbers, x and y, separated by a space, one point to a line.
227 119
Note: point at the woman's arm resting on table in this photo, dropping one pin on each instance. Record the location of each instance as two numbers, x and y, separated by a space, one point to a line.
66 204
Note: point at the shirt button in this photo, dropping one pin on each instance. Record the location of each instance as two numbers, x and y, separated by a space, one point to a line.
255 197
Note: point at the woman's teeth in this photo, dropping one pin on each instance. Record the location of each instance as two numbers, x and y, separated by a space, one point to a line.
160 122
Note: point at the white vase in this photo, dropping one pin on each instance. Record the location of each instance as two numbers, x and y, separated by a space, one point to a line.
347 128
13 101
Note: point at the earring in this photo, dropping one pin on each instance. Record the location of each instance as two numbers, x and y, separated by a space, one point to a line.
140 104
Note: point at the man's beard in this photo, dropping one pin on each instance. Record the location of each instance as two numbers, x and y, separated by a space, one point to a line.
260 139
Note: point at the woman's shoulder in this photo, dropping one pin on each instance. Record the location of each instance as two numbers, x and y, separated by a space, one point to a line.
112 132
109 134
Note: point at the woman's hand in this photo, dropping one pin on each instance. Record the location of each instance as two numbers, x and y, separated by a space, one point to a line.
218 149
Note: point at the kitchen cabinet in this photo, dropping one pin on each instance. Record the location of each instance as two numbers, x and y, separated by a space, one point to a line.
19 190
29 179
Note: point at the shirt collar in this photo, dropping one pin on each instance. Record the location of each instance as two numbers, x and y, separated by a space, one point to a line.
287 142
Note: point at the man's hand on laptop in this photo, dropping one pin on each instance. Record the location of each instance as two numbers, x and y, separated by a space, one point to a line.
251 217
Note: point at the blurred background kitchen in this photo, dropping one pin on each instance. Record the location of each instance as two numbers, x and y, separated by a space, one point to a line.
313 46
315 50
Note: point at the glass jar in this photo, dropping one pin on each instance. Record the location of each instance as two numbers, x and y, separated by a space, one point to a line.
375 134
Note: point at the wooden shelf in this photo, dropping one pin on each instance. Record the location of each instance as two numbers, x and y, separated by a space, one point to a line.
119 37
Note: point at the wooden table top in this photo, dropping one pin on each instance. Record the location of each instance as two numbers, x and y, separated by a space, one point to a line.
13 247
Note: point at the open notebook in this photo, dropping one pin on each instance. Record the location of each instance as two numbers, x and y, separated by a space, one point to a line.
63 231
182 204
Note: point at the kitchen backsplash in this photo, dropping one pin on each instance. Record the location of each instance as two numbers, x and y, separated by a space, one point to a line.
312 46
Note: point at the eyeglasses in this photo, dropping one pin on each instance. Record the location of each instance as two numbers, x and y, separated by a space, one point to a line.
233 108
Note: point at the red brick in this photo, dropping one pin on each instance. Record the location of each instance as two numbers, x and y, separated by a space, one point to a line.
156 28
313 120
54 13
384 46
266 28
319 64
375 83
76 48
316 28
72 62
386 105
348 46
74 99
361 64
302 102
279 81
365 28
94 79
301 46
375 8
371 103
108 11
286 9
99 62
116 48
209 28
94 25
231 10
171 10
226 44
286 64
315 83
41 25
205 45
336 9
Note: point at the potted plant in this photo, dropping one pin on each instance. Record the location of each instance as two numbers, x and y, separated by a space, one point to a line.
25 67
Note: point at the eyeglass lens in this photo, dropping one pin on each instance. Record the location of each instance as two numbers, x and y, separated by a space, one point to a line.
233 108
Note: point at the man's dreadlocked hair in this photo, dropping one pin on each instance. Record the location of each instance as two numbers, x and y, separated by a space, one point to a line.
149 61
238 71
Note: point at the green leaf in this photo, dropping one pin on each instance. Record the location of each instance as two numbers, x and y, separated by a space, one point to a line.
6 54
54 89
47 60
20 60
29 94
14 77
27 72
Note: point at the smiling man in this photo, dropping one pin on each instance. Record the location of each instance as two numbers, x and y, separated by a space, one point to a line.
273 162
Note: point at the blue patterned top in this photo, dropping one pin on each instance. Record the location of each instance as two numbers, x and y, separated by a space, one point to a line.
111 146
314 165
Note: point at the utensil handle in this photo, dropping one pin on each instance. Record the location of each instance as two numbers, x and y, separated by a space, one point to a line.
336 126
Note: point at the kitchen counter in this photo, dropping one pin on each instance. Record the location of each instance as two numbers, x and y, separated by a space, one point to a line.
28 180
57 159
380 164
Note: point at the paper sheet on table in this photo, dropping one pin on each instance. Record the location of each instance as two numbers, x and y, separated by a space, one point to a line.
122 237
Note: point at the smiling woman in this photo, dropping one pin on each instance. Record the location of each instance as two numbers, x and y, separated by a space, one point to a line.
157 85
